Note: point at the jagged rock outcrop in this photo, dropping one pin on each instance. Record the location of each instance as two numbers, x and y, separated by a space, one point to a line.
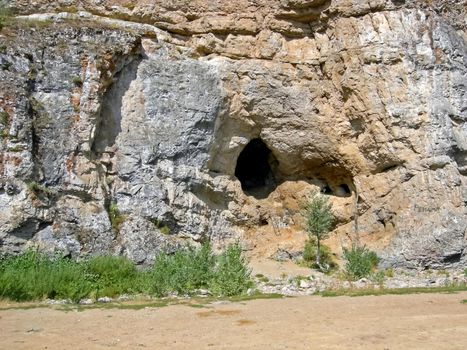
133 127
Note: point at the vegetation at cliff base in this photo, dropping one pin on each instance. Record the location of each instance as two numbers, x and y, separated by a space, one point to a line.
34 275
318 221
309 255
360 261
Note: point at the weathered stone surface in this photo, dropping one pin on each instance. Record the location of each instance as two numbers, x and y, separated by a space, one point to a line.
147 108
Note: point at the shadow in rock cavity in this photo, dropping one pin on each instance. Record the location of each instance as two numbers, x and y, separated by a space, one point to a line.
254 169
111 113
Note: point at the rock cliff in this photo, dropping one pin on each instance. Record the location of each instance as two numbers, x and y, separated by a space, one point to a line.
136 126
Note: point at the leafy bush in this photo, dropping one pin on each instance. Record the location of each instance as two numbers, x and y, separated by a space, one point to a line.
309 255
360 261
231 275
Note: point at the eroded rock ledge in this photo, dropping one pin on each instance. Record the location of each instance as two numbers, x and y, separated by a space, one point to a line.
131 127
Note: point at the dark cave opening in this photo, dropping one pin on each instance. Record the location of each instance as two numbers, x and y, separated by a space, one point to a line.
254 169
344 191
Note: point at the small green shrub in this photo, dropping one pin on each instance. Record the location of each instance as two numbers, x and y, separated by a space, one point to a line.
115 217
378 277
161 226
231 275
360 261
262 278
38 189
4 119
309 255
299 278
77 81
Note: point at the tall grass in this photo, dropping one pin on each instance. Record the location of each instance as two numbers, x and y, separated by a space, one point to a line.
111 275
183 272
33 275
5 14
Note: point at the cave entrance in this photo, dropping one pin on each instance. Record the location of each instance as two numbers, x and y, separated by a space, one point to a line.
254 169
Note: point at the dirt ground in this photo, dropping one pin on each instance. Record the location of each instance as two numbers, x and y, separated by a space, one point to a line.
423 321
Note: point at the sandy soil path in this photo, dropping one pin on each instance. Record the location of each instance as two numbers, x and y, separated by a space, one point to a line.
426 321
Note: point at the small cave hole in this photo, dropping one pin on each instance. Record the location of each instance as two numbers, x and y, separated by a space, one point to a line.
326 190
254 169
452 258
343 191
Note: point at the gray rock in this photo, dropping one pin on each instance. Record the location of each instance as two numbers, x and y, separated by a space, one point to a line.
104 300
368 105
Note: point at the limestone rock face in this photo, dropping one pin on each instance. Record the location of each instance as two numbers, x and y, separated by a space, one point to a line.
141 127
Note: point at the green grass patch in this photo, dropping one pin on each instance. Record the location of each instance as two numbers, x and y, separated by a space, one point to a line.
5 15
194 302
23 306
35 276
395 291
38 189
116 218
120 306
262 278
256 296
